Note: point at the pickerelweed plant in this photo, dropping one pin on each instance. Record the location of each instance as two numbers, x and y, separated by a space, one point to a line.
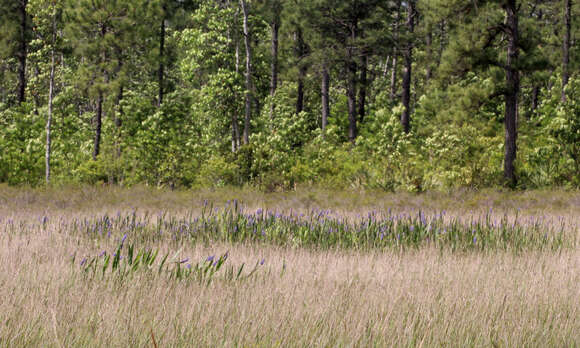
325 229
127 261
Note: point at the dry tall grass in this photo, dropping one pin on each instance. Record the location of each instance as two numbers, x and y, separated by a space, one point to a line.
299 297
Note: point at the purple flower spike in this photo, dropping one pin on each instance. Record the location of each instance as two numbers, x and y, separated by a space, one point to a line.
83 261
262 262
124 238
210 258
188 266
184 260
474 240
103 253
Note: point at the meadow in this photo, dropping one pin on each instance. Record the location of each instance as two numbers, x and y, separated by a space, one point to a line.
116 267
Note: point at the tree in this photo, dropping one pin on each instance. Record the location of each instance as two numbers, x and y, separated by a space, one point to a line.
566 46
100 31
342 24
247 42
489 39
16 36
408 56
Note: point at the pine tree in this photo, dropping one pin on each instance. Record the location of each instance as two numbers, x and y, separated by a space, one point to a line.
16 34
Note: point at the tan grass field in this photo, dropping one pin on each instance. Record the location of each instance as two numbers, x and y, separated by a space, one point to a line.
298 298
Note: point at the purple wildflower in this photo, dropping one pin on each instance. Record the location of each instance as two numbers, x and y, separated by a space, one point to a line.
210 258
474 240
262 262
83 261
188 266
103 253
184 260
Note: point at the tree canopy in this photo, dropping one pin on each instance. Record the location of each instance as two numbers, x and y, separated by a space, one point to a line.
396 95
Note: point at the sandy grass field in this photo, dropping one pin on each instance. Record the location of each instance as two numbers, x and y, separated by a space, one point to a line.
58 290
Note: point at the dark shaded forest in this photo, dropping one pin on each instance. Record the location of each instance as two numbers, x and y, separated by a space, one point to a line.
390 95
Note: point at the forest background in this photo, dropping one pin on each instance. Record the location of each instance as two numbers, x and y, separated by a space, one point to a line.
390 95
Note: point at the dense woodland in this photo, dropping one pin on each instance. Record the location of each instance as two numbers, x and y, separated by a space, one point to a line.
396 95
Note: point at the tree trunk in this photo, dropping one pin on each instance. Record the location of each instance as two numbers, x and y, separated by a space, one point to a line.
428 43
362 92
441 42
386 67
22 51
100 97
511 96
351 70
351 95
408 56
50 98
235 126
325 97
98 125
161 71
248 115
566 47
300 52
274 66
395 53
535 94
119 120
394 76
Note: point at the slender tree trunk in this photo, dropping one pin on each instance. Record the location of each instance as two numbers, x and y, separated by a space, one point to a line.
300 50
441 42
235 126
235 133
325 88
351 95
351 88
535 94
50 98
98 126
428 44
248 115
274 66
511 96
161 71
394 75
119 120
395 52
408 56
386 67
566 47
100 97
362 92
22 51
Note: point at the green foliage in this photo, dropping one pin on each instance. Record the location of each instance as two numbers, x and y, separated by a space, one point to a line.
316 229
111 51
